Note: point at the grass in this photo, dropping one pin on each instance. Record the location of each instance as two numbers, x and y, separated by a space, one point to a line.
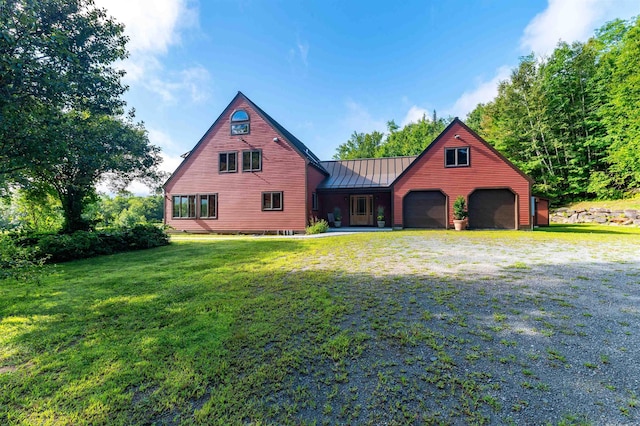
242 330
629 203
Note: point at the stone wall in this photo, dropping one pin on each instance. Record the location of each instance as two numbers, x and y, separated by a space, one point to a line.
596 215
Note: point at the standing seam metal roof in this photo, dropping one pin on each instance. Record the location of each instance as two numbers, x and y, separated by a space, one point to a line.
365 173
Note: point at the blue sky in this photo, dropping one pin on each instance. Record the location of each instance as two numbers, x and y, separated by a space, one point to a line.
325 69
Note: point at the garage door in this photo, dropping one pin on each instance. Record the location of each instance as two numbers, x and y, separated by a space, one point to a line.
492 208
424 209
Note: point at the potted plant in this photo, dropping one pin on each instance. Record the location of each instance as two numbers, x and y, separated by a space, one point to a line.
337 217
460 213
380 216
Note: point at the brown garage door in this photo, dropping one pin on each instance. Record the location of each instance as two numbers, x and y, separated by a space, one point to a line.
424 209
492 208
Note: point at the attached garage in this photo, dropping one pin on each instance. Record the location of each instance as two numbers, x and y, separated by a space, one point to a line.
425 209
492 209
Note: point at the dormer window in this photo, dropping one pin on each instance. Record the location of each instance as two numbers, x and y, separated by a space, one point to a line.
240 122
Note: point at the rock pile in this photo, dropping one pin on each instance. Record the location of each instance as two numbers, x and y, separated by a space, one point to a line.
596 215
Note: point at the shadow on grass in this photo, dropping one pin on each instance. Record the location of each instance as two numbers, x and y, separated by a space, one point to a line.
231 333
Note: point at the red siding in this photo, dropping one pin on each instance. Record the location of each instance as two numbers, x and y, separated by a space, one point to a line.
486 170
314 177
240 193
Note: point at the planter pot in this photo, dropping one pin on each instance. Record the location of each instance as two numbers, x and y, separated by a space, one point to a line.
381 224
459 225
337 223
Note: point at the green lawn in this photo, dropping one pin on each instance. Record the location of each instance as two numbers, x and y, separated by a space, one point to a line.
223 331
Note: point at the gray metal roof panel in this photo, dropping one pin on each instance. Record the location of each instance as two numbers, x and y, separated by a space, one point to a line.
365 173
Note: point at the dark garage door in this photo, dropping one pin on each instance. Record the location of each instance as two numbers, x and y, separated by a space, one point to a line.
492 208
424 209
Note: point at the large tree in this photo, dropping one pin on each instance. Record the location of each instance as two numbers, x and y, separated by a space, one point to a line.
91 148
54 55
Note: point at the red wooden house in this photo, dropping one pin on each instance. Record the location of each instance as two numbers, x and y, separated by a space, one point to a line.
249 174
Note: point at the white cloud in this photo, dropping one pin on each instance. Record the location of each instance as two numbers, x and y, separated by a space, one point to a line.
360 120
301 50
485 91
414 115
151 24
170 162
191 82
171 151
153 27
572 20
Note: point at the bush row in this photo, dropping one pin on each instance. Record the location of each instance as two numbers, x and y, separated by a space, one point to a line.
83 244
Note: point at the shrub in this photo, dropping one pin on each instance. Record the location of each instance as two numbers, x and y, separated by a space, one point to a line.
83 244
145 236
460 208
317 226
21 263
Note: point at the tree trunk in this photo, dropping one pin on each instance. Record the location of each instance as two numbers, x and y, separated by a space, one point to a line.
72 206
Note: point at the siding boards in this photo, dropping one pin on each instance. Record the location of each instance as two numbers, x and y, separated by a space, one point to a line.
487 170
240 193
314 177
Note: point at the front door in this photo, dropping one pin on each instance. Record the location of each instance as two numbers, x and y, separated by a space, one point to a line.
361 210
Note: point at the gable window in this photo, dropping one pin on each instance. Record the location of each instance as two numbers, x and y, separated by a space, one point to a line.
209 206
228 163
240 123
314 201
272 201
456 157
184 206
251 161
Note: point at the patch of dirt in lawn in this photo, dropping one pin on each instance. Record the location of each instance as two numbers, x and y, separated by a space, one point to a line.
469 331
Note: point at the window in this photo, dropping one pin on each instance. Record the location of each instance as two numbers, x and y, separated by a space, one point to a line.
184 206
314 201
456 157
272 201
209 206
251 161
228 163
240 123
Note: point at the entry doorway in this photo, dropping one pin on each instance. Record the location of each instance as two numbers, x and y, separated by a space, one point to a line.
361 210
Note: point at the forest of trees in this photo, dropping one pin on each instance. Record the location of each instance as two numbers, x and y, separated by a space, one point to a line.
570 121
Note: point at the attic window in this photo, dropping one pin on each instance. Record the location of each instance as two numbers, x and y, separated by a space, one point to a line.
240 123
456 157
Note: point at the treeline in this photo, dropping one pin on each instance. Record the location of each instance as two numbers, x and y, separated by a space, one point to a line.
572 121
38 212
410 140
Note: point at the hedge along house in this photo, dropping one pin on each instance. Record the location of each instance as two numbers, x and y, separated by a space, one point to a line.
249 174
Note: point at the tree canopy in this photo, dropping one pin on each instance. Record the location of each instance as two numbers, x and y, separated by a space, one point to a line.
410 140
54 55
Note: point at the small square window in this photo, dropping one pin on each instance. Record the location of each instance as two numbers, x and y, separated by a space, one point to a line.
228 163
272 201
456 157
251 161
240 129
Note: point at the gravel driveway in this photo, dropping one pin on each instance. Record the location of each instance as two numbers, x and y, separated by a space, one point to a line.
475 329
